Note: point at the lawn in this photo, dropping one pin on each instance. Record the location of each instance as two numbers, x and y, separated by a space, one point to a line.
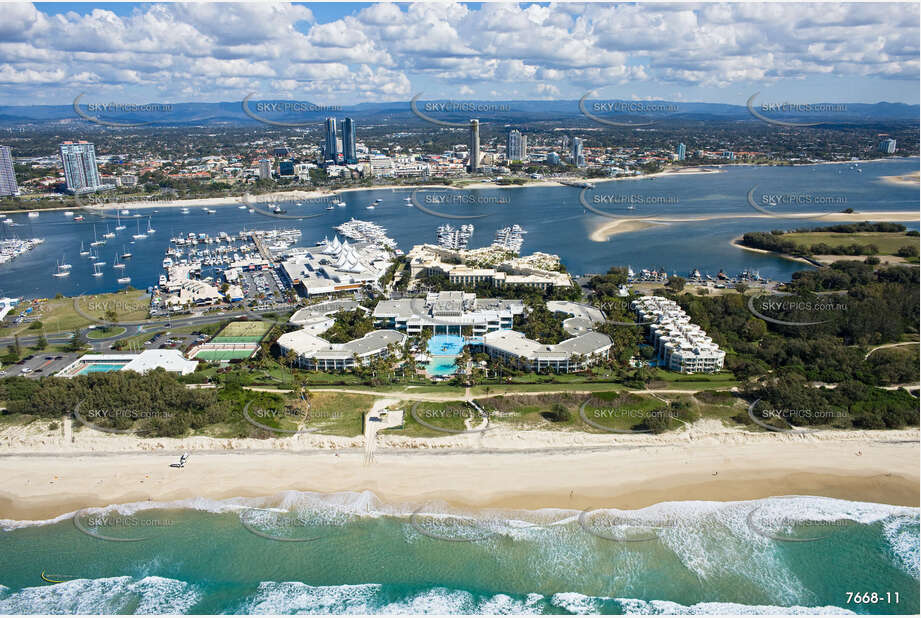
129 306
338 413
887 242
105 331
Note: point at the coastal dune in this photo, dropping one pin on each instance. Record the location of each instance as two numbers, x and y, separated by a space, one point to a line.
524 470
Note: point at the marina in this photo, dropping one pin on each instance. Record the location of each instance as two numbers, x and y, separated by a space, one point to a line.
456 238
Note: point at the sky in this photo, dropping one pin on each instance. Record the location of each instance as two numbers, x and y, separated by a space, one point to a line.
347 53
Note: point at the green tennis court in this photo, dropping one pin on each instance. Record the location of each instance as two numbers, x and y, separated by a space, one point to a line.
241 339
219 355
243 332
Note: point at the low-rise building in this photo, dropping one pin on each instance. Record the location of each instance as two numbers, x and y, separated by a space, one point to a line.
680 345
573 354
447 313
335 267
314 352
140 362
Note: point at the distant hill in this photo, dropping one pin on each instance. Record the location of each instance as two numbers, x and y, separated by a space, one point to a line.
496 112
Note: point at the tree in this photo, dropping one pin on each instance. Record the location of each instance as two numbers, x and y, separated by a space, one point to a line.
676 283
42 343
558 414
77 342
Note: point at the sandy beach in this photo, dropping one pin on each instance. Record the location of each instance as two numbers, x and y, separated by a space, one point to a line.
500 469
906 180
622 225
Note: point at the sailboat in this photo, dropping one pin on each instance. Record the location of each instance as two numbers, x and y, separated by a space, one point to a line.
83 251
96 242
108 234
118 223
139 236
62 272
117 264
63 265
126 255
96 271
124 280
150 230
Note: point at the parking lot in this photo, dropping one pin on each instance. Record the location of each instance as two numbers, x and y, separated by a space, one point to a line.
39 365
265 282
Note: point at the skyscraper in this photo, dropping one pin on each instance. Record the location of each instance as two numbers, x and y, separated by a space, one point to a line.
474 147
331 152
265 168
514 146
887 146
578 156
682 152
80 171
348 141
8 184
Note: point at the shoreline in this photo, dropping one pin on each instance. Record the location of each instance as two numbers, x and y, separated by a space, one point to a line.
735 242
603 231
867 466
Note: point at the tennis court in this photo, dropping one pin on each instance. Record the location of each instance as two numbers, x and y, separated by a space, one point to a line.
242 332
219 355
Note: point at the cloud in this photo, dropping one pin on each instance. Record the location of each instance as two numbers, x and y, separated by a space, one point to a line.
389 51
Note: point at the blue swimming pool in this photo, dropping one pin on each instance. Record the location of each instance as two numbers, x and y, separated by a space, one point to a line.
443 349
100 367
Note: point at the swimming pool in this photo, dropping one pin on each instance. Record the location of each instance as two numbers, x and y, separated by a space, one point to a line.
443 349
100 367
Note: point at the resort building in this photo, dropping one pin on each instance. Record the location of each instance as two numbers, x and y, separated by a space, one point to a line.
574 354
680 345
314 352
168 360
335 266
468 267
447 313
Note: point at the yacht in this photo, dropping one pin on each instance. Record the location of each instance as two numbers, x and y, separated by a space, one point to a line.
126 212
162 279
340 204
108 234
68 213
83 251
117 264
118 223
139 236
278 210
124 280
330 207
62 272
96 271
184 211
369 207
79 218
378 201
408 200
63 265
33 214
126 255
150 230
96 242
241 207
167 262
99 263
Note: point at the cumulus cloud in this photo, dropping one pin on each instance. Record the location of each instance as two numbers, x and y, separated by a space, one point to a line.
388 51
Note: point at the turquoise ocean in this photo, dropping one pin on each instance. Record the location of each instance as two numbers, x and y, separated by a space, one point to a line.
351 553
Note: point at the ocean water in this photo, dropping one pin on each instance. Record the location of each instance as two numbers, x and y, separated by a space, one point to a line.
555 219
351 553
